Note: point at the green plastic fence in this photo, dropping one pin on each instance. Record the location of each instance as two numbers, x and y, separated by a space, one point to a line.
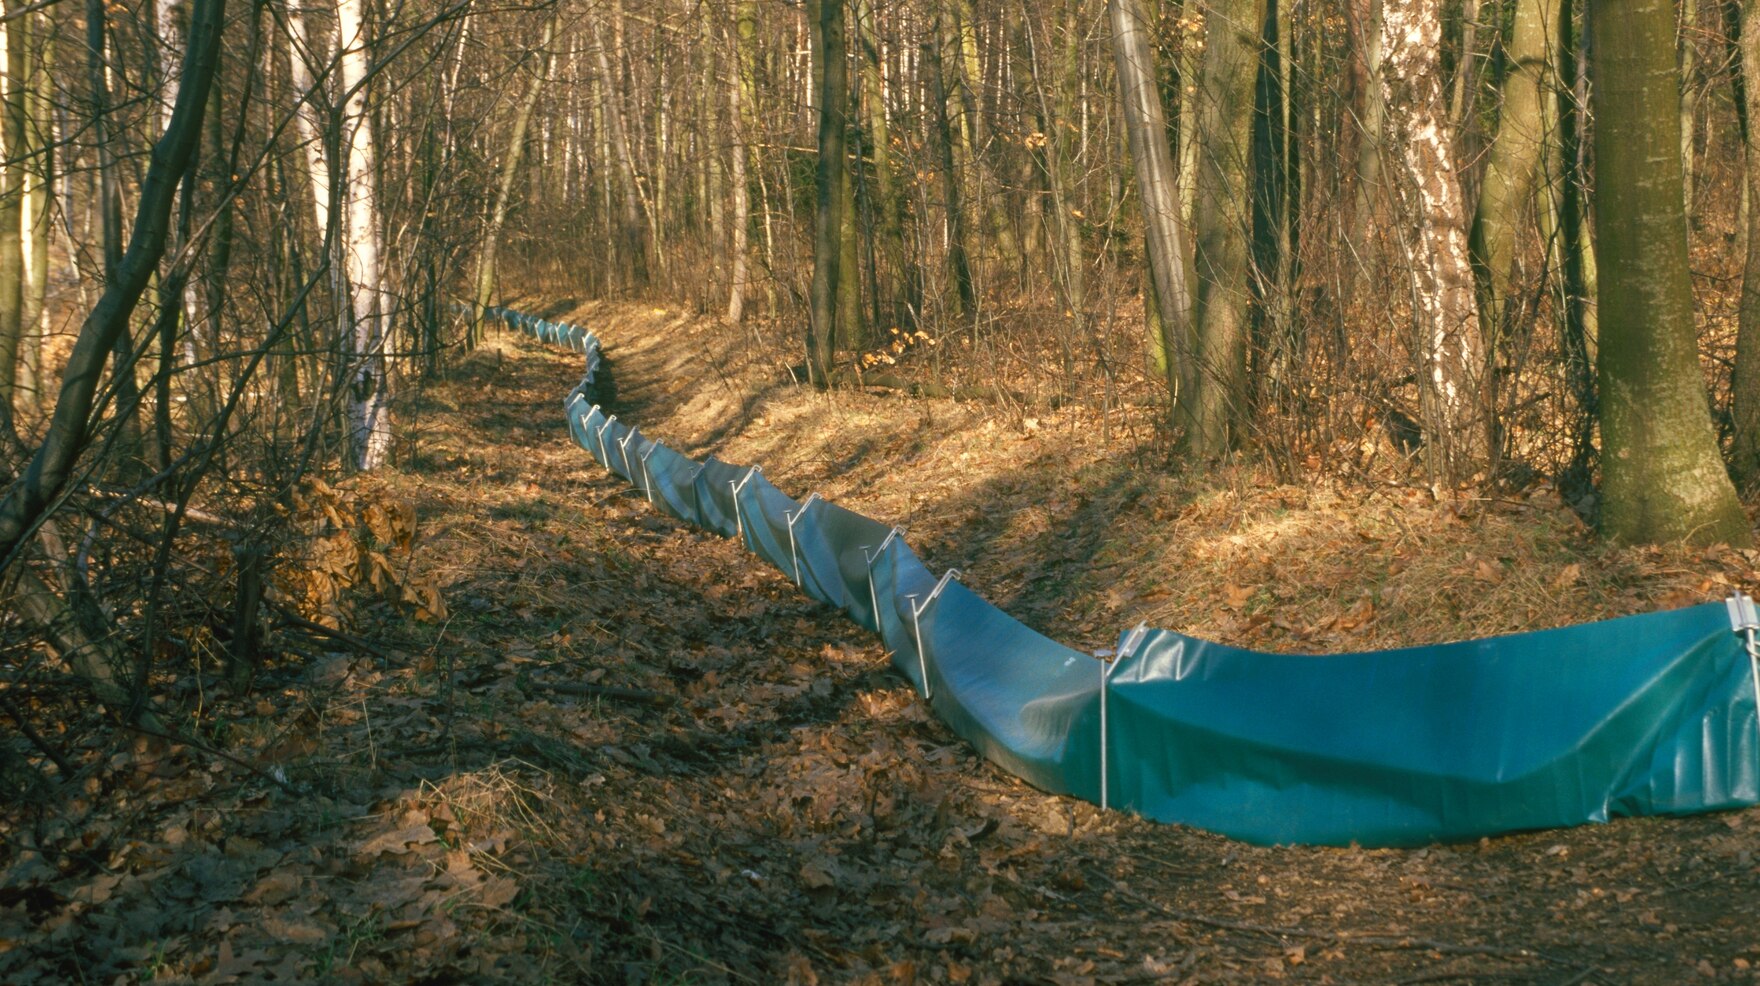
1646 715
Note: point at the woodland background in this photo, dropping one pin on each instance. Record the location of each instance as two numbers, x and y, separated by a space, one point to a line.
1474 251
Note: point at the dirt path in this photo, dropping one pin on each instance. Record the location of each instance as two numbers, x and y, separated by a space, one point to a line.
632 754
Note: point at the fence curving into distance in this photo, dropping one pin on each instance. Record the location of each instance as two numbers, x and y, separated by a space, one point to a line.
1645 715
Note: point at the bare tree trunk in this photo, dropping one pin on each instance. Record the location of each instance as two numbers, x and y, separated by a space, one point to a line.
1147 129
1451 351
739 123
1662 477
362 244
1216 401
50 466
1745 383
516 148
38 198
833 98
632 233
12 141
959 265
1510 201
1372 127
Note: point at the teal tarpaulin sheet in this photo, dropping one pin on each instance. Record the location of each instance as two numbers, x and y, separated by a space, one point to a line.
1646 715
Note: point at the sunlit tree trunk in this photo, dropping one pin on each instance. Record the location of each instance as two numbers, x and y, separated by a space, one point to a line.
1511 200
362 245
1223 220
12 141
739 97
510 163
1451 351
38 197
1662 477
1146 126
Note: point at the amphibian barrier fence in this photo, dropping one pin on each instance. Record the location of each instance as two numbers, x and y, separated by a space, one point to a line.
1645 715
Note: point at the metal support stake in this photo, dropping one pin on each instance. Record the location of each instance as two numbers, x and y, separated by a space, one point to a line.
873 597
647 480
1744 619
917 626
794 515
623 447
739 530
604 456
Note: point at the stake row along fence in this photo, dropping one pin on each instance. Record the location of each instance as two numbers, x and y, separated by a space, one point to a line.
1649 714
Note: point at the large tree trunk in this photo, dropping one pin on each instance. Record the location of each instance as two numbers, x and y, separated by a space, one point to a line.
1146 125
1745 385
1451 351
1662 477
833 98
516 148
1223 220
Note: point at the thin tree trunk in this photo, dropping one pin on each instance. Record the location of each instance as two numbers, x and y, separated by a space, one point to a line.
516 148
632 232
13 143
1451 351
1745 384
362 245
1662 477
69 429
38 198
1372 127
833 97
1146 126
745 42
959 266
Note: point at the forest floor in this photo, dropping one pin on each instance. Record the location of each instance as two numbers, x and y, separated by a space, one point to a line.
630 753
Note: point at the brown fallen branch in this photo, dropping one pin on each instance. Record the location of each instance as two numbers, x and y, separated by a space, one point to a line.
1372 940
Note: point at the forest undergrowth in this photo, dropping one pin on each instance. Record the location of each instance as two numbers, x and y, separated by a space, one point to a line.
570 740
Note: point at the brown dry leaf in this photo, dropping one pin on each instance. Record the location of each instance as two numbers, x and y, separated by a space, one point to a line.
274 888
1488 572
1236 597
1567 576
816 875
294 930
499 892
398 841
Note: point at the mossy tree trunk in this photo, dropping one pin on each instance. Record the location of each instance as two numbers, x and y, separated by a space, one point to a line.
1662 477
1216 402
